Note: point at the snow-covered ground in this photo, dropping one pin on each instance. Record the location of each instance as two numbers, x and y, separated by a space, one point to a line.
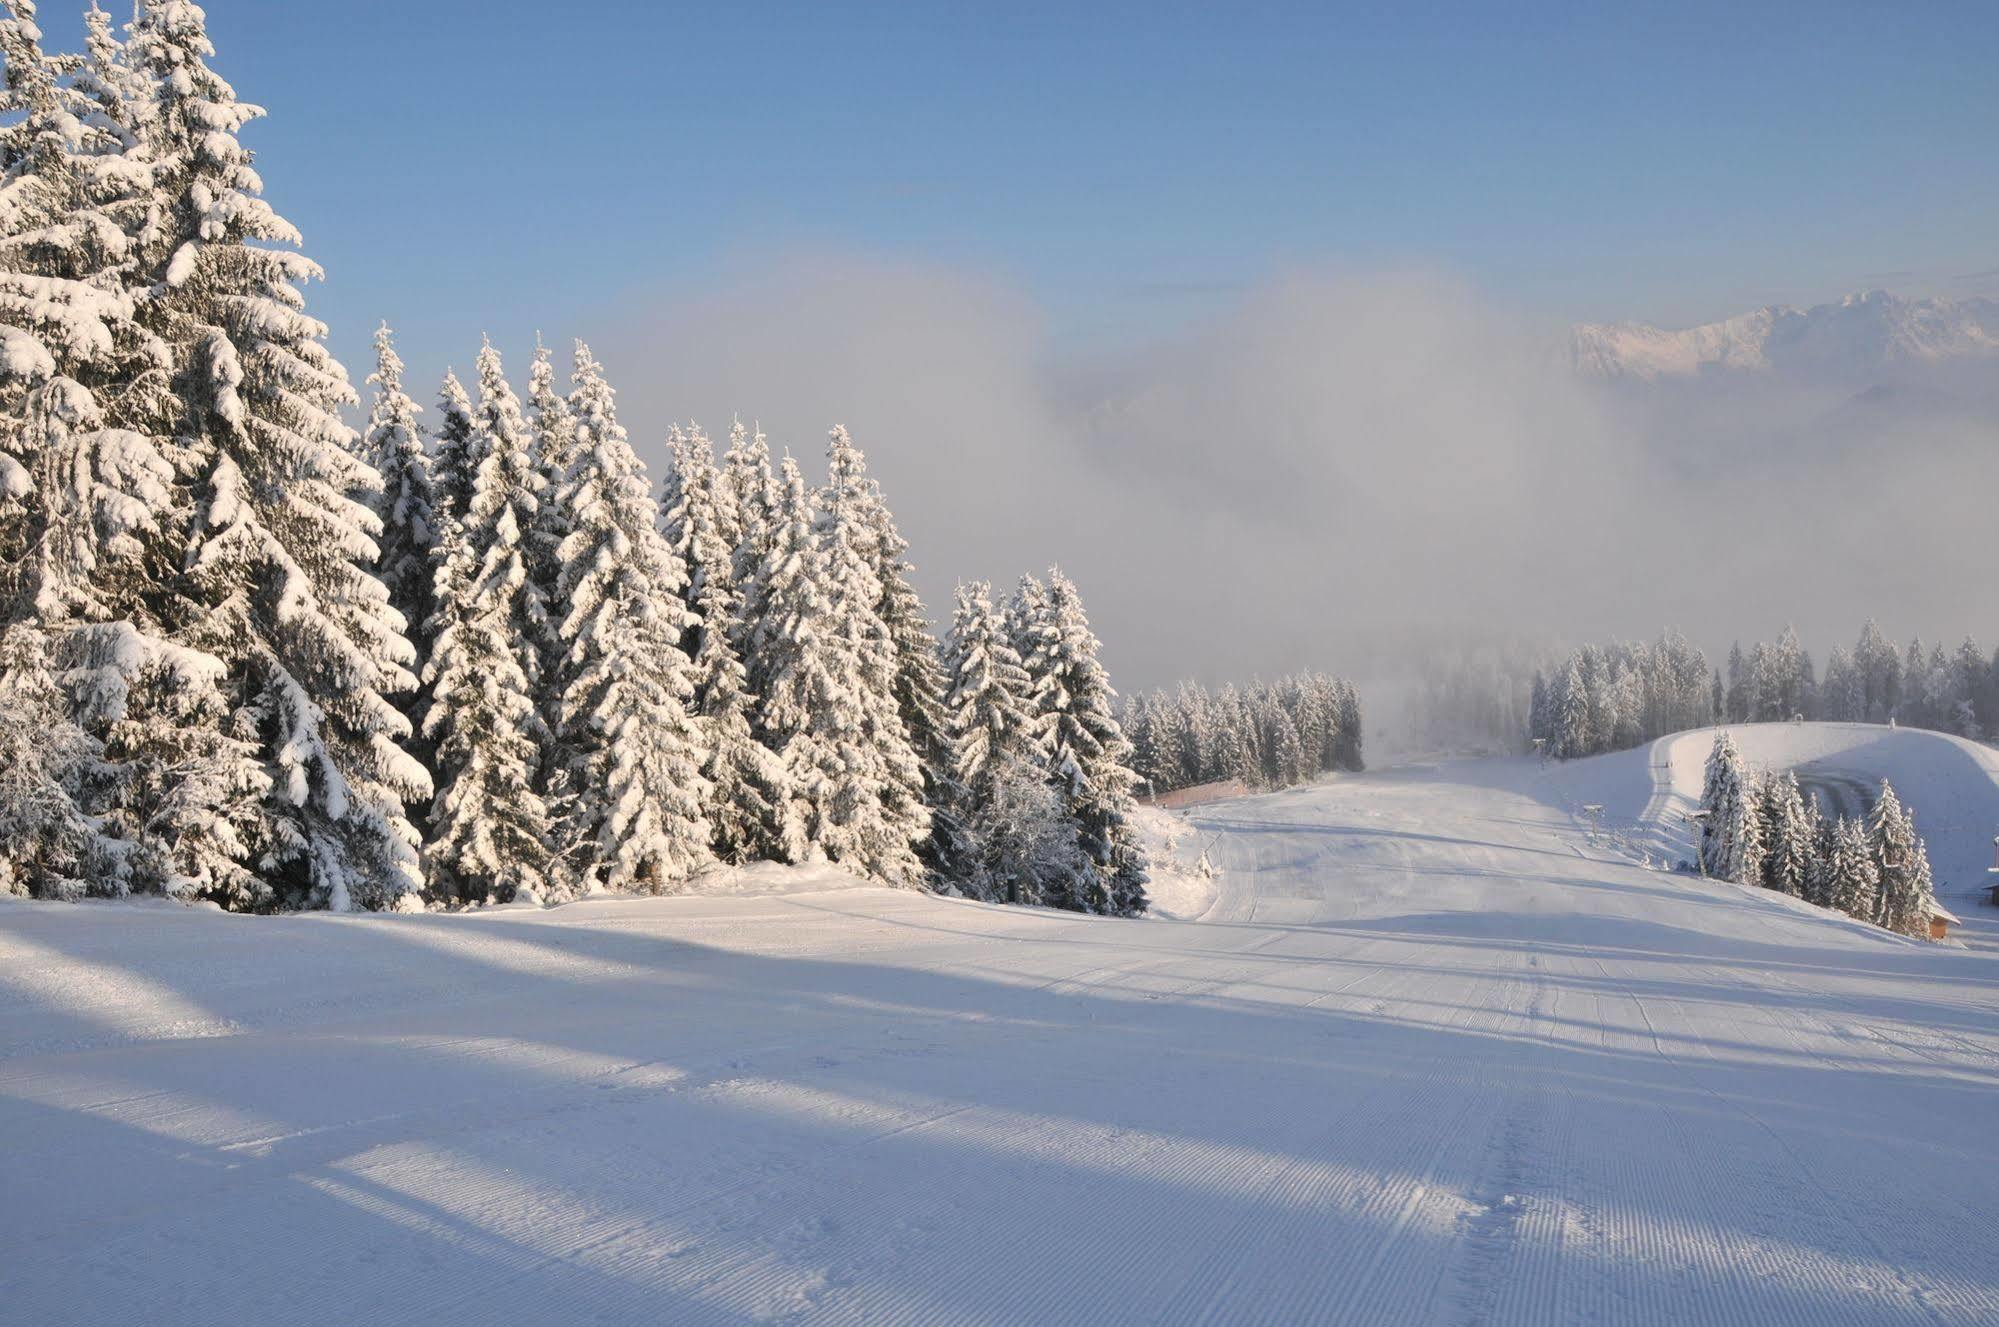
1430 1057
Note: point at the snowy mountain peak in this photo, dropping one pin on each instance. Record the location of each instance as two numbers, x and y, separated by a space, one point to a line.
1857 335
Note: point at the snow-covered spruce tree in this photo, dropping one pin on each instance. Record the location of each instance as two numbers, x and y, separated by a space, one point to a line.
822 673
49 847
918 683
1350 747
1820 886
1019 840
1902 867
1087 756
408 510
92 519
1571 715
454 452
1730 844
490 828
82 384
1788 842
749 498
751 807
623 684
1855 880
282 535
556 445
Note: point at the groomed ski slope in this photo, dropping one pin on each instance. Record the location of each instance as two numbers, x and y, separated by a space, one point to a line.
1428 1057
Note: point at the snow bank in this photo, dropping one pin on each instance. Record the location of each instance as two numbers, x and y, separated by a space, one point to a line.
1182 887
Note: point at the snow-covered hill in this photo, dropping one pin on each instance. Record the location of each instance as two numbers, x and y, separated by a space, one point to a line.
1431 1057
1853 340
1950 785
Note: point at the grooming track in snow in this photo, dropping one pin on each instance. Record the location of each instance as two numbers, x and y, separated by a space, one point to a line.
1431 1058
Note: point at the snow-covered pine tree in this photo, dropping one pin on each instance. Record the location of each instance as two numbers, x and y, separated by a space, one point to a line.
1788 842
822 674
82 385
1855 879
1350 753
728 508
408 510
1967 676
1729 843
1020 843
1820 888
1086 753
556 446
1571 709
750 499
490 826
1284 754
1880 674
623 685
1901 865
282 536
918 683
751 806
92 518
454 453
49 847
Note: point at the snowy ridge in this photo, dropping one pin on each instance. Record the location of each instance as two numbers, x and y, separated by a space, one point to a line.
1854 337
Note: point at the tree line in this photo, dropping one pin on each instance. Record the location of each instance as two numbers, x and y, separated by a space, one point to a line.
253 657
1921 686
1612 697
1763 830
1267 735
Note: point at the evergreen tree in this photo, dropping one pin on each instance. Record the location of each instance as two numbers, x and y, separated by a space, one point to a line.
621 688
1571 715
918 680
1085 753
1855 879
1789 840
1349 751
751 804
1730 842
455 457
282 533
822 673
49 847
1902 867
407 509
1015 837
1880 674
1741 704
83 487
1821 885
490 826
557 447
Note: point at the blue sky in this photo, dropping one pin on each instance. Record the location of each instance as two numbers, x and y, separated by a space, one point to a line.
460 165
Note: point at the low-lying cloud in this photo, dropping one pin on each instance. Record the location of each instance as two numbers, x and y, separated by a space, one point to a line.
1339 465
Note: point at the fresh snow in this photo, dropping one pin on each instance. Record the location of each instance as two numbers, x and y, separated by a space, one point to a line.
1431 1057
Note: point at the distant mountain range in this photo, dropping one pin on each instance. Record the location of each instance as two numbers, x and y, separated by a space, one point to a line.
1855 340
